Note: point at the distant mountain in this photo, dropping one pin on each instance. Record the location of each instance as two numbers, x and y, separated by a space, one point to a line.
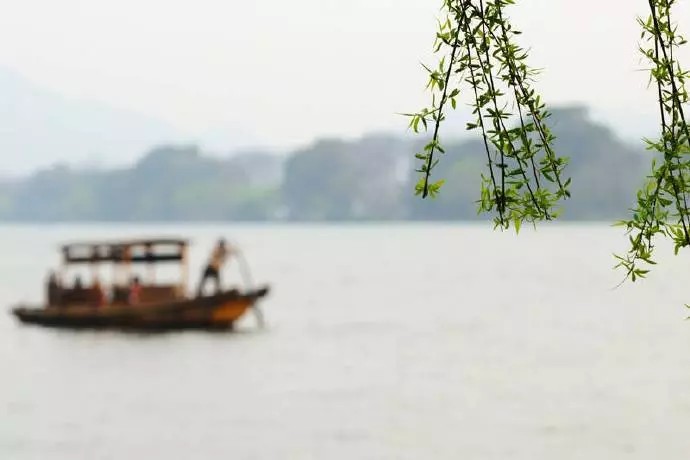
371 178
605 170
39 127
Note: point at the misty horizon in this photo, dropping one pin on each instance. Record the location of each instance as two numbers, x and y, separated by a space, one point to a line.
125 150
216 75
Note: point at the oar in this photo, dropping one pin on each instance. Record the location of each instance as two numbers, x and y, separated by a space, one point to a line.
245 274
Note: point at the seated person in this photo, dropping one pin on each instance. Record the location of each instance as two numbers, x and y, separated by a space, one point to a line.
134 296
78 285
53 289
99 293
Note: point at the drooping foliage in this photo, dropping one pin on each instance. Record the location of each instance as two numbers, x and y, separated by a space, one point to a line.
524 179
662 204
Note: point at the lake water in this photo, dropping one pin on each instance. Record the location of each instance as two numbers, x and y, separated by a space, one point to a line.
382 342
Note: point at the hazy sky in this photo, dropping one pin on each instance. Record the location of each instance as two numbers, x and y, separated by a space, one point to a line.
288 71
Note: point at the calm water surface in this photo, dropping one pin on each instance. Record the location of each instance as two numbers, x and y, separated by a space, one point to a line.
383 342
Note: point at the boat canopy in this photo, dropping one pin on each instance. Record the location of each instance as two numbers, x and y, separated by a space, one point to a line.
146 251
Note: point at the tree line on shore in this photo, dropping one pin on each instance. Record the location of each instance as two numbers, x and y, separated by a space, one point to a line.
371 178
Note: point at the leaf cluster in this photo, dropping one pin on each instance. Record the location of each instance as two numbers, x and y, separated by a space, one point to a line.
523 177
662 204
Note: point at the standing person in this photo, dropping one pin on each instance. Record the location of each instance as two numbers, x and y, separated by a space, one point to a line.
215 264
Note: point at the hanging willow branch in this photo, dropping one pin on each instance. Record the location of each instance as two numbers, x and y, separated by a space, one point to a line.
524 180
662 205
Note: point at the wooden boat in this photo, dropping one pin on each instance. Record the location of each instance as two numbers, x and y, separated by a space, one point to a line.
159 306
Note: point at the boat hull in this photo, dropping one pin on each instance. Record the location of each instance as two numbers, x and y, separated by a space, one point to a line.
218 312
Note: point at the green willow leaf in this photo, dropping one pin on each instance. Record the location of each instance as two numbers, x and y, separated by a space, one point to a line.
480 57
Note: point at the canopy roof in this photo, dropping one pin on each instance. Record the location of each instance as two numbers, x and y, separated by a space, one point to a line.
126 251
